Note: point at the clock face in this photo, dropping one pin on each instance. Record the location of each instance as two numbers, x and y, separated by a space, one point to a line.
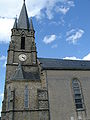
22 57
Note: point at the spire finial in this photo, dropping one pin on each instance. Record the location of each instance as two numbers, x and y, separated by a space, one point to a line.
24 1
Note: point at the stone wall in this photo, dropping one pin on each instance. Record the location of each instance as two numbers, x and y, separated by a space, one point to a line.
38 108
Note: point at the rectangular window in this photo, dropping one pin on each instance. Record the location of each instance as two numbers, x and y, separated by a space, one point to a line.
22 42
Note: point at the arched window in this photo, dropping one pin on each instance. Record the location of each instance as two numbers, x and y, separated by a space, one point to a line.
78 97
9 96
22 42
26 98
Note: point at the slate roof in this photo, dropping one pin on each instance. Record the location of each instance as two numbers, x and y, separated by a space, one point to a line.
23 21
32 75
62 64
31 25
20 74
15 23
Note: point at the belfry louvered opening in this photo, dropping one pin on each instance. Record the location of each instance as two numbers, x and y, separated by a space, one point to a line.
78 95
22 42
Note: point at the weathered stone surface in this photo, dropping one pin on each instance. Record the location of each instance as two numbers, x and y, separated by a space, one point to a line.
43 104
42 94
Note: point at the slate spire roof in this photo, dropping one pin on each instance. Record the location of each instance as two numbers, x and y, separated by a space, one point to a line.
15 23
23 21
31 25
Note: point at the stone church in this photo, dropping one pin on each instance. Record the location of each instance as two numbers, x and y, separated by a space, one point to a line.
42 88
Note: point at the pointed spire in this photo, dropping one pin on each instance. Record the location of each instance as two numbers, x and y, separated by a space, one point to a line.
31 24
15 23
23 21
18 74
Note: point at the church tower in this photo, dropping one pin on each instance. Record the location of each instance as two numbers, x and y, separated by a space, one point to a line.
25 92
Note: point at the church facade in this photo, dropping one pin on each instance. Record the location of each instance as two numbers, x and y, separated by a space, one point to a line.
42 88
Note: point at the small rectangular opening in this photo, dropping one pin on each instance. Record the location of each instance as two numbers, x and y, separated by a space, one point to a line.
22 42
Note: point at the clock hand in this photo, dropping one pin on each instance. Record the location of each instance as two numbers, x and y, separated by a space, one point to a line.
23 57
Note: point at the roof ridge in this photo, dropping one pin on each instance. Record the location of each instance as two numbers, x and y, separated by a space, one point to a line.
64 59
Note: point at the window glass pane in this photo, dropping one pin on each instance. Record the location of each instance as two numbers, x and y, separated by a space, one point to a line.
77 95
79 106
76 85
76 91
78 100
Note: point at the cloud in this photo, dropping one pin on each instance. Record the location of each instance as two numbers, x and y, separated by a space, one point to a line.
35 8
71 58
65 6
74 35
70 3
48 39
49 7
87 57
4 65
5 29
62 9
54 46
3 57
1 95
38 9
10 8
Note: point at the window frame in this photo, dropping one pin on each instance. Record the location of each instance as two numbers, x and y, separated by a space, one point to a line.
78 96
